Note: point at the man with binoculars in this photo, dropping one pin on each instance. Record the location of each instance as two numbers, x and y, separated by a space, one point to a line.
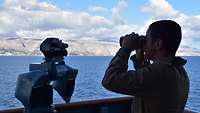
159 86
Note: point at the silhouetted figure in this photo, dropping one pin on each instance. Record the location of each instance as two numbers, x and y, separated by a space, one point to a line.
161 86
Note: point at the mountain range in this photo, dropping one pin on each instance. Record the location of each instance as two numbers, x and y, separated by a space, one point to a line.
30 46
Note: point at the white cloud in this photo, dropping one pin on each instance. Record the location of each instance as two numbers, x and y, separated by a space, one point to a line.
28 5
117 10
97 9
190 26
39 18
159 8
34 19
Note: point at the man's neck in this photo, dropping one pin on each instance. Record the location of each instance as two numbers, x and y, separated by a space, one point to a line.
163 54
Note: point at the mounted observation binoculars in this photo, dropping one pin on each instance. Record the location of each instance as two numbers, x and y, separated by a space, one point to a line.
35 88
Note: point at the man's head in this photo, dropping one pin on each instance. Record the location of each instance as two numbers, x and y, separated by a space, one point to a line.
163 36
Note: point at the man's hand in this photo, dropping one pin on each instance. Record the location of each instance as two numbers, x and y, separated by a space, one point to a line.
130 41
139 59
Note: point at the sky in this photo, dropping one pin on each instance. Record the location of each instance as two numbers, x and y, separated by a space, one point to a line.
98 20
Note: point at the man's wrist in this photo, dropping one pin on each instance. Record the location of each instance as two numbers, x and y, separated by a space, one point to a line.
126 49
124 53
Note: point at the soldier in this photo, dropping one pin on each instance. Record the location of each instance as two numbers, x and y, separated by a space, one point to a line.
161 86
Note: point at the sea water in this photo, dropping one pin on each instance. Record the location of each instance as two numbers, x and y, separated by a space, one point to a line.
88 82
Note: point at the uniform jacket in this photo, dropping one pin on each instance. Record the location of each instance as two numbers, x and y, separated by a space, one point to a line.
160 87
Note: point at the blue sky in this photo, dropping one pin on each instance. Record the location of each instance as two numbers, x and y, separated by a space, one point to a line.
132 13
129 13
99 20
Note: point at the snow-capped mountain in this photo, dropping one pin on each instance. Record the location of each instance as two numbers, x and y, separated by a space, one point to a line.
27 46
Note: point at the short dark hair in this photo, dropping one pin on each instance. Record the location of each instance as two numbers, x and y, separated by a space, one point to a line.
169 32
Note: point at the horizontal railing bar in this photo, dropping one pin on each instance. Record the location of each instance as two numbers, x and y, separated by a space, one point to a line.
88 103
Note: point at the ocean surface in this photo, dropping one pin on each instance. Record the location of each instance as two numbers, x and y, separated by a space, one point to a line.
88 82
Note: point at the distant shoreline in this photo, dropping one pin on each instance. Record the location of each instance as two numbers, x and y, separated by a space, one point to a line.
79 55
65 56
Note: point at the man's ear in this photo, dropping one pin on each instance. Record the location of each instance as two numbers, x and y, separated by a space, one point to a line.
159 44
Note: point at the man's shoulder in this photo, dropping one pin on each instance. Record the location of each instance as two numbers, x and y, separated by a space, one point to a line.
155 70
